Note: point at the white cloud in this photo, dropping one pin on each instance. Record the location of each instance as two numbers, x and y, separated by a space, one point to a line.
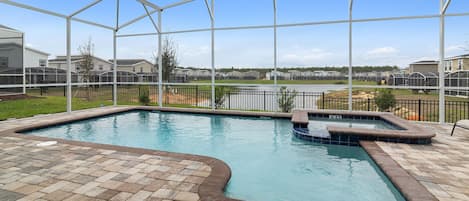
454 48
307 57
382 52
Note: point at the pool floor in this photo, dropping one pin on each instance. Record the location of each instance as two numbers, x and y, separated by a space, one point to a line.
266 160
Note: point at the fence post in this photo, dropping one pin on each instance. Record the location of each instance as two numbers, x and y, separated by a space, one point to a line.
229 100
303 99
197 95
264 100
323 100
420 108
65 91
369 104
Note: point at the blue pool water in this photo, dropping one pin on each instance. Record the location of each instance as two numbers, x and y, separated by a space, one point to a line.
267 162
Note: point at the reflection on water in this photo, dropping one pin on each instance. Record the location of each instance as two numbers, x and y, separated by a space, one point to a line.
263 98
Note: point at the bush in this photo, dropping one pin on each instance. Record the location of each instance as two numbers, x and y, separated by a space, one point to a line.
340 82
385 100
144 95
286 100
220 95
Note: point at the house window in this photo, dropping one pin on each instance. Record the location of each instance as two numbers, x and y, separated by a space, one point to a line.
100 67
133 69
450 65
42 62
3 62
460 64
141 69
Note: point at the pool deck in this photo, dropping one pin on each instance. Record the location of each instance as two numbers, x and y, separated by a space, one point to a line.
442 167
87 171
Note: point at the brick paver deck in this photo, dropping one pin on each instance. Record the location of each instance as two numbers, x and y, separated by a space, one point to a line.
79 172
442 167
74 172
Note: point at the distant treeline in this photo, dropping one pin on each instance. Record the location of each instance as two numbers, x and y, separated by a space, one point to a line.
343 69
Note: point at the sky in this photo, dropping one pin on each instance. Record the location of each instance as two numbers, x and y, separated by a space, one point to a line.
374 43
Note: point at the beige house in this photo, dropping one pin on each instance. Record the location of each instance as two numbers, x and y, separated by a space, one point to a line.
135 65
424 67
98 64
457 63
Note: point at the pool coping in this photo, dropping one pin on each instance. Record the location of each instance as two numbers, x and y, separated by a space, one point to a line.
213 186
409 187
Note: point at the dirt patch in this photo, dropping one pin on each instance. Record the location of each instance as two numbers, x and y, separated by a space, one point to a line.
16 97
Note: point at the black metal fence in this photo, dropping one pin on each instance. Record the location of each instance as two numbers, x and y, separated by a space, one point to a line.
231 98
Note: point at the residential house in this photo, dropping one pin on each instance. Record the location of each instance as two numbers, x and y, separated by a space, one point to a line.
11 51
457 63
234 75
280 75
250 75
427 66
135 65
98 64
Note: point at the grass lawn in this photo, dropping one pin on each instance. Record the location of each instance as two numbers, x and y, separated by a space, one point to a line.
355 82
43 105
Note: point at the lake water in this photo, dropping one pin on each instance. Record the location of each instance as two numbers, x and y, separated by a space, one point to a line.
263 97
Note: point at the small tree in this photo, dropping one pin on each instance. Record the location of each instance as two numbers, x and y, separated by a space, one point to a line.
385 100
220 95
144 95
169 59
286 99
86 64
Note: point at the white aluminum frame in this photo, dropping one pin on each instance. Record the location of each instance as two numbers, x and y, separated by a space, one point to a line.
444 4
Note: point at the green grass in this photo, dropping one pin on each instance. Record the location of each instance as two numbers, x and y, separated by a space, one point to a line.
43 105
355 82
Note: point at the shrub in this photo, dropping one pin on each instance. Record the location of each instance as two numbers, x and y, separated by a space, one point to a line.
339 82
286 100
220 94
144 95
385 100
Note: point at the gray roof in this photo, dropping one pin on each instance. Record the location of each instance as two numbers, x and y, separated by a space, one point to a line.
426 62
74 58
9 28
129 62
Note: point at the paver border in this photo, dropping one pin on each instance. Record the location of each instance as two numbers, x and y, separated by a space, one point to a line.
409 187
213 186
409 133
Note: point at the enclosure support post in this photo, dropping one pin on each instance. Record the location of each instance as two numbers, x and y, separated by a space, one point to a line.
160 64
275 56
443 6
350 83
69 67
114 63
212 30
114 69
24 69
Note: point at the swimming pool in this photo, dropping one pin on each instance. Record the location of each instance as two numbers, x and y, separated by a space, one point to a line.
267 161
